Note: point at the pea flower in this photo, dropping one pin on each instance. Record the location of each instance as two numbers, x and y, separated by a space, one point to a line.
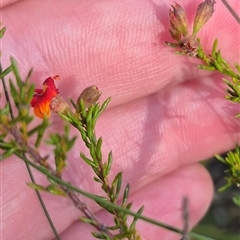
42 97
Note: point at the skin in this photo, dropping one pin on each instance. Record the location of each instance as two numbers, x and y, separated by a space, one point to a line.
165 115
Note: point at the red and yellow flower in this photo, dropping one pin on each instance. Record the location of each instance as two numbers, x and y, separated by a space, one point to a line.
42 98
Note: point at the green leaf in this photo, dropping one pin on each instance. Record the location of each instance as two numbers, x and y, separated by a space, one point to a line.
28 75
89 115
98 149
66 118
81 108
220 158
16 72
30 93
126 234
125 195
237 67
60 161
124 215
214 49
93 154
7 153
71 142
5 109
117 222
107 166
2 31
236 200
87 160
87 220
73 103
90 132
133 224
66 130
218 66
97 179
205 67
104 105
5 72
113 227
6 145
40 132
219 59
226 186
116 186
83 134
104 203
36 186
55 189
14 93
95 111
101 235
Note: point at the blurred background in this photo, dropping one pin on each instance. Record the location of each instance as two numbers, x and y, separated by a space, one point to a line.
222 221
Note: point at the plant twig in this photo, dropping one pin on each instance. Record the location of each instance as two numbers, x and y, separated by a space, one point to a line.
27 165
229 8
43 162
119 208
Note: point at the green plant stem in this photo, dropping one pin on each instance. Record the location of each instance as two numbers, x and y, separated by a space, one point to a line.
27 165
107 203
6 94
87 129
42 203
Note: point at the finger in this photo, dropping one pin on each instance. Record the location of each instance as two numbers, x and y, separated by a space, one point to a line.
161 133
5 3
158 134
118 46
21 209
162 200
116 85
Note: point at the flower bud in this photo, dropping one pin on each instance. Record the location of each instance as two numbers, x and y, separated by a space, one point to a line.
178 22
89 96
204 12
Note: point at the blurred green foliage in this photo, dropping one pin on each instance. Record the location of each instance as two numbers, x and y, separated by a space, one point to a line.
222 221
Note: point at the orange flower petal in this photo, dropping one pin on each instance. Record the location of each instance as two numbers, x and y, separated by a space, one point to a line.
42 97
42 109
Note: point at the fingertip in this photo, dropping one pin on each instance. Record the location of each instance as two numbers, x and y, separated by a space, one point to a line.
163 200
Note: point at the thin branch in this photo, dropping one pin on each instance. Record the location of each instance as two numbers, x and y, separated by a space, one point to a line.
185 218
229 8
107 203
6 94
42 203
72 195
27 165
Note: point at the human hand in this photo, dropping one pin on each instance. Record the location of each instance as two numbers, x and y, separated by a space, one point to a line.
165 114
